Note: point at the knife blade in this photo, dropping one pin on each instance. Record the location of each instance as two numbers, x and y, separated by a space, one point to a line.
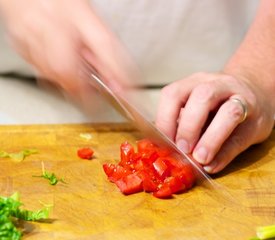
119 99
126 108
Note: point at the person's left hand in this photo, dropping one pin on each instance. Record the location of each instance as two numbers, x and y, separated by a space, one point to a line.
205 114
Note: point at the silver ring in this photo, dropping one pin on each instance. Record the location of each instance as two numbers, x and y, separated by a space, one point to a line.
243 105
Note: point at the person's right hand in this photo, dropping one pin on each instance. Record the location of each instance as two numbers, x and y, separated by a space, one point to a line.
54 36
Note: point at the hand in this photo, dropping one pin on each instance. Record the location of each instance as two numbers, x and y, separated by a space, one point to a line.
199 114
54 36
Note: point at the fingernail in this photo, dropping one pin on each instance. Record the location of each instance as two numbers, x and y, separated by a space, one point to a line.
200 155
208 169
211 167
183 145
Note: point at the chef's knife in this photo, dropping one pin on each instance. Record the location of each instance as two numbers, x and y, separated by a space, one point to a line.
123 104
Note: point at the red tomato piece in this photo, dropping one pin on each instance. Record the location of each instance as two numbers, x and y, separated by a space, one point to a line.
115 172
126 153
163 192
145 145
129 184
149 157
161 168
175 184
85 153
163 152
185 174
173 162
136 156
149 183
108 168
139 165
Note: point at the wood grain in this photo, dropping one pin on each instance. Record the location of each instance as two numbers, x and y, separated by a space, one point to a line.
90 207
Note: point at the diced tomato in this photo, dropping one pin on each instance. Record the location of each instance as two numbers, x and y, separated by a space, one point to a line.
161 168
115 172
129 184
139 165
149 183
163 152
175 184
163 192
149 157
185 174
173 162
109 168
85 153
126 153
136 156
145 145
151 169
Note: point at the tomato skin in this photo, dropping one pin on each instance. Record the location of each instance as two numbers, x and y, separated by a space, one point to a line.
149 157
173 162
126 153
85 153
108 168
163 152
161 168
186 175
145 145
163 192
149 182
175 184
130 184
139 165
114 172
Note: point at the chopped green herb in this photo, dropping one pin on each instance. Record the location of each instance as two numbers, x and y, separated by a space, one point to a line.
10 211
50 176
18 156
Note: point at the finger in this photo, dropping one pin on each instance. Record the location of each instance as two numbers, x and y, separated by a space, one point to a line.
228 117
172 98
233 146
204 98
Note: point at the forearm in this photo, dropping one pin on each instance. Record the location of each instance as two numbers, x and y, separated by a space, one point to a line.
255 58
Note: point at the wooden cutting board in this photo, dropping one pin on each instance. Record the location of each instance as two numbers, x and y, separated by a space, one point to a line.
90 207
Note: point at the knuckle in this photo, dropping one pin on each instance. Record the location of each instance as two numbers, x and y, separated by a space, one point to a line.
234 111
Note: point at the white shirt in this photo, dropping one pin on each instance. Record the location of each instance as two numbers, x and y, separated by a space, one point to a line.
168 39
